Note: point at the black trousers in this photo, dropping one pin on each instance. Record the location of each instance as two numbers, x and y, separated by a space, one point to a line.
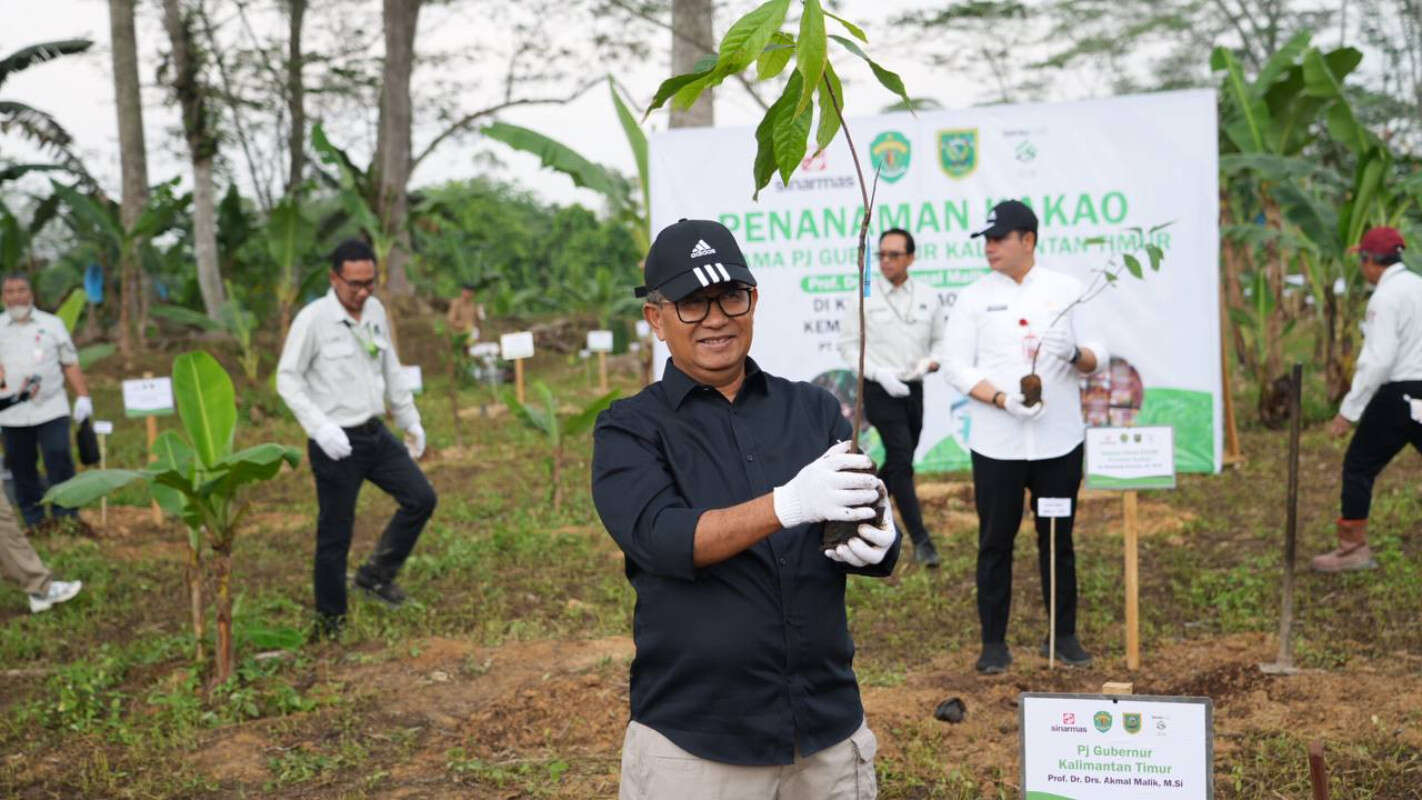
899 421
376 456
1384 429
998 487
24 446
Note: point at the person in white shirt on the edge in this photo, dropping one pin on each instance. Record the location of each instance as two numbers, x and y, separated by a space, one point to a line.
36 344
904 331
1386 397
993 330
338 370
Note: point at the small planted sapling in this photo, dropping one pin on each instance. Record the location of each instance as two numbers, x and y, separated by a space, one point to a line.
1101 280
545 420
197 478
784 133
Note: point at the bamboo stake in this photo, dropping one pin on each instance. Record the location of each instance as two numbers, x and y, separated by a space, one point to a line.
1133 589
152 424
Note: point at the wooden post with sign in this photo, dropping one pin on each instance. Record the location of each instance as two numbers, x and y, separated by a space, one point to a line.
149 398
644 335
600 342
1053 508
152 426
1129 460
103 428
516 347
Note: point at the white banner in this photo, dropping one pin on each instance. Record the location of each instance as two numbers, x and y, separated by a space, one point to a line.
1092 168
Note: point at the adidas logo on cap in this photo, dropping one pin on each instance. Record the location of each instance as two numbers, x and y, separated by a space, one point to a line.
702 249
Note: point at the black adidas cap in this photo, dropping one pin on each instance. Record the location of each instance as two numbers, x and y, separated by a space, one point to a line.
692 254
1006 217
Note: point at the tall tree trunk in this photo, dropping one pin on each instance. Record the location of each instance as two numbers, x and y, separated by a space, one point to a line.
133 157
691 33
401 17
202 149
295 96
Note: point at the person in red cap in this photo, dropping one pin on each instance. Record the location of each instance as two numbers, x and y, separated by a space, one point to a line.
1385 401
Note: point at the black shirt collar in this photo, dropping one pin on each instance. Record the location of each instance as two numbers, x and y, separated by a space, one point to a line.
678 385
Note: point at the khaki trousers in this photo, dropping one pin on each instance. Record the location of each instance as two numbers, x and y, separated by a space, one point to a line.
18 560
653 768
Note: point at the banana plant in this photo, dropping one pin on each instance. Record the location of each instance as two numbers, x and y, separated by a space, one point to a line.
290 235
198 478
545 420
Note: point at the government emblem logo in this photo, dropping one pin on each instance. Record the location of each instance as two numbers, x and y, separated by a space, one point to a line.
889 153
958 152
1102 721
1131 722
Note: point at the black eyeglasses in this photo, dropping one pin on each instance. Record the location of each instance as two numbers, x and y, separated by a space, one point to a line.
368 286
889 255
732 302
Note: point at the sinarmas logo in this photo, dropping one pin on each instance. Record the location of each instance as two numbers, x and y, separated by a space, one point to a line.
890 153
958 152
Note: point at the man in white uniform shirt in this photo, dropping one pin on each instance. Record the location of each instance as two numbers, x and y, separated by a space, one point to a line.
34 343
993 330
904 329
1385 401
338 370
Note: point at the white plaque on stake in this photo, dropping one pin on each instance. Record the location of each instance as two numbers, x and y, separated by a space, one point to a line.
1116 747
103 427
414 378
599 341
644 329
1130 458
148 397
516 345
1048 507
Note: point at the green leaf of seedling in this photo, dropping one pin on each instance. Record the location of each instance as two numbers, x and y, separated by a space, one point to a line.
1134 265
206 403
670 87
854 30
580 422
831 99
810 54
747 37
791 139
1156 256
886 77
766 134
90 485
776 55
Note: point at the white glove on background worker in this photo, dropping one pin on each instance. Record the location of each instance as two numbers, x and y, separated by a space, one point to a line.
1013 404
83 408
332 441
824 491
872 543
415 440
923 367
886 378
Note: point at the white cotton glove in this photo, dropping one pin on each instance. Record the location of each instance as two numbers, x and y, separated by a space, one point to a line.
923 367
415 440
1013 404
83 408
823 491
891 383
873 541
1058 342
332 441
1414 407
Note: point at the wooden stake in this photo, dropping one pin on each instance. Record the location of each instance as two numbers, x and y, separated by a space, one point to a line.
152 424
602 372
1232 453
1052 613
518 378
1317 772
1133 597
1284 664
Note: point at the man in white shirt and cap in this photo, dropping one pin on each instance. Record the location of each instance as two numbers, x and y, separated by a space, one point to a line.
1385 401
338 371
36 344
995 328
903 330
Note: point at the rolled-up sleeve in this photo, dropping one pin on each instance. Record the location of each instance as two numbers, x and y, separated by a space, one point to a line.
637 498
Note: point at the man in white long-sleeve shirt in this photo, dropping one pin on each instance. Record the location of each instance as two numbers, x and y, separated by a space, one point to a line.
1385 401
338 370
995 327
903 333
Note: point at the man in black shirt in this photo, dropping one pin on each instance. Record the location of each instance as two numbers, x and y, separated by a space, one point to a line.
714 482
